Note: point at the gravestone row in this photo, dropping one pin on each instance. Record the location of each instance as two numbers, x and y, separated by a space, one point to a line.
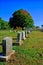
21 36
7 45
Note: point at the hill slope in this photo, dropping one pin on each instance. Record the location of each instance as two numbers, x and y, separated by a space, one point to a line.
31 52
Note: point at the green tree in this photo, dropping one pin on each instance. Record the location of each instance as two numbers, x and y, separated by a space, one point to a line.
21 18
3 24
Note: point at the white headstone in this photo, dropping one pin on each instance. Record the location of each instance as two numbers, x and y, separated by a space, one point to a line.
23 35
19 37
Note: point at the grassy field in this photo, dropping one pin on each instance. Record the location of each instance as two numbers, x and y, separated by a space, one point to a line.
30 53
6 33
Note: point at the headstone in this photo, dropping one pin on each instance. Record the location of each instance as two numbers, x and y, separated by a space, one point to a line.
7 46
28 31
7 49
24 28
19 37
23 35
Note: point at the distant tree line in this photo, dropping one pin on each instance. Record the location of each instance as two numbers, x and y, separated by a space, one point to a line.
3 24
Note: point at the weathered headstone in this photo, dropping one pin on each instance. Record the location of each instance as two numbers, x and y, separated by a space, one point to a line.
7 49
19 37
7 46
23 35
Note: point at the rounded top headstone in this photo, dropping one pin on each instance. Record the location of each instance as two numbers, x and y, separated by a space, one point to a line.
7 38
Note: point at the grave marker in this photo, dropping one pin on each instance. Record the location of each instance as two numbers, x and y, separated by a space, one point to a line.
7 46
7 49
23 35
19 38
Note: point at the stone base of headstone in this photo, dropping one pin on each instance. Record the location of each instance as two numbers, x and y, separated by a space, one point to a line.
19 43
24 39
6 58
27 36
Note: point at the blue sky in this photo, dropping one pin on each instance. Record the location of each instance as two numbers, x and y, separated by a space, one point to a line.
34 7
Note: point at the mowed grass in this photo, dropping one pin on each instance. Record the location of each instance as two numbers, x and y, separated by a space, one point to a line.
30 52
6 33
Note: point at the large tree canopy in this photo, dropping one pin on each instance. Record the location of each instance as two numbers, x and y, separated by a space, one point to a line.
21 18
